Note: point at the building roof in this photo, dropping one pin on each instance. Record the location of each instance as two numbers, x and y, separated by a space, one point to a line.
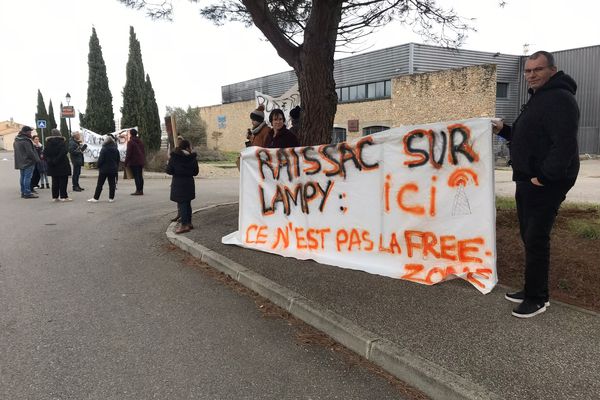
9 127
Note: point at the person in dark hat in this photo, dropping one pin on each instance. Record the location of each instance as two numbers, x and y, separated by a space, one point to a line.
26 158
135 159
259 134
295 117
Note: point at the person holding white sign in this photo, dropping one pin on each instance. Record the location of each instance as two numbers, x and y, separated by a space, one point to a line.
545 163
281 137
259 134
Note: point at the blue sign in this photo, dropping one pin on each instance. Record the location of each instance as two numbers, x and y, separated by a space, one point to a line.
41 123
221 121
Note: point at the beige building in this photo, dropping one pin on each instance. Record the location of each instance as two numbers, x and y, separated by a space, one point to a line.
451 94
8 133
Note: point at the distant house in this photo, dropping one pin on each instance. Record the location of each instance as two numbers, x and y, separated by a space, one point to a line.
8 132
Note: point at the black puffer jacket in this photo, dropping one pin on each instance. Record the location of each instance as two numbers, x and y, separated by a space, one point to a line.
183 166
543 139
55 153
76 150
108 160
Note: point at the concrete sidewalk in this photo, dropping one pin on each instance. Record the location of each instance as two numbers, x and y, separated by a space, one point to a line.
448 340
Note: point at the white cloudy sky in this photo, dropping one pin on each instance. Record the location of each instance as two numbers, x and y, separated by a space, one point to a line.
44 45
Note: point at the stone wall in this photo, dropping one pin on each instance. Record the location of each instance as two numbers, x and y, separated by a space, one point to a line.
419 98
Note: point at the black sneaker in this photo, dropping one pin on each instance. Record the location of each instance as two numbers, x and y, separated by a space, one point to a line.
528 309
518 297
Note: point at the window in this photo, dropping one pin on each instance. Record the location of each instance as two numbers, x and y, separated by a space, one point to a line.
345 94
380 89
362 92
353 93
371 90
501 90
338 135
374 129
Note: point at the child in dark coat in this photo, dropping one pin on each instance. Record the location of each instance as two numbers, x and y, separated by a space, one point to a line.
183 166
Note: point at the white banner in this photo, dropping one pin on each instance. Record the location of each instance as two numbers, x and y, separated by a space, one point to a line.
94 143
414 203
285 102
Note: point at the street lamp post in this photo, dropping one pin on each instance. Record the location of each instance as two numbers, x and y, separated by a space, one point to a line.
68 98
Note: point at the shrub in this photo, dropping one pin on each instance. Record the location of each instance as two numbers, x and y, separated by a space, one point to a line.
157 161
205 154
585 228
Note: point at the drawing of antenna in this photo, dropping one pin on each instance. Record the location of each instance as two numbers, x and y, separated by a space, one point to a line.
459 180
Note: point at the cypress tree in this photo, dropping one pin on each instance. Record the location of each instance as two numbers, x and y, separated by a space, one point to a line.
99 116
41 114
150 125
51 120
134 89
64 128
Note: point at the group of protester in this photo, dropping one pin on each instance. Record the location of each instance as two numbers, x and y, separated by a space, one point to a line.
277 135
542 142
59 160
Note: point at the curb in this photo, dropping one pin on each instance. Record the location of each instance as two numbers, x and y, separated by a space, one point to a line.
432 379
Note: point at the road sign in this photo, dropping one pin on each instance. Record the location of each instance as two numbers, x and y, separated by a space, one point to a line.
67 112
41 123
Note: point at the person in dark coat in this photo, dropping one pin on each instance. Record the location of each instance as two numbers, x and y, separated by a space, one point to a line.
25 159
76 149
296 122
41 166
545 163
183 166
55 152
135 159
108 168
280 136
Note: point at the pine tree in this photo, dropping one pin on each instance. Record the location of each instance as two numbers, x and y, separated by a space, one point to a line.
99 116
133 92
41 114
51 120
64 129
150 124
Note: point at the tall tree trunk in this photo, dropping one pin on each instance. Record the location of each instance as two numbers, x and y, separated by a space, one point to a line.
312 61
315 73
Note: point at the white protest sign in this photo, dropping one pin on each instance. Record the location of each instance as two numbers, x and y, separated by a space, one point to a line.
285 102
94 143
414 202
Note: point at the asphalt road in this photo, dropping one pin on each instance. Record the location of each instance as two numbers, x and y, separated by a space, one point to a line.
94 305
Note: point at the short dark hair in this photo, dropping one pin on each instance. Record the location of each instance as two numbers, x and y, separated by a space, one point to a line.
133 132
548 55
276 111
184 144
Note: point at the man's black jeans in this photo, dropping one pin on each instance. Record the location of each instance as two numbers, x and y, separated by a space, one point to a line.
537 207
76 174
138 177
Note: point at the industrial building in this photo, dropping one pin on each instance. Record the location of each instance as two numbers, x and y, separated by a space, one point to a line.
368 77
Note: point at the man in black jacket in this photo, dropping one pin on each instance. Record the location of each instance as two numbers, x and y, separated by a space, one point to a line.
25 159
545 162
